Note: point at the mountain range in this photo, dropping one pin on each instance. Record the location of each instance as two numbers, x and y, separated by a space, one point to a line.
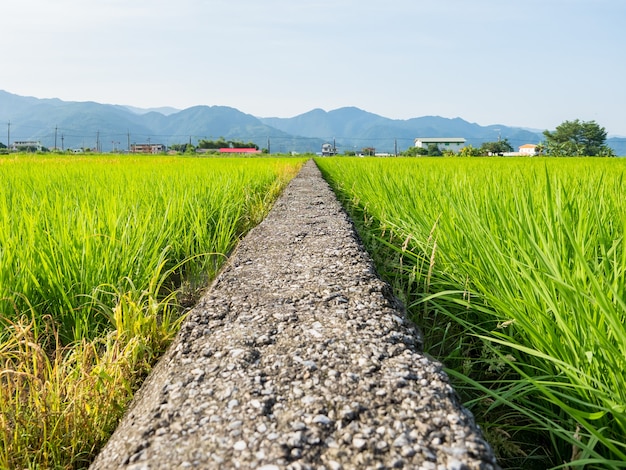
68 124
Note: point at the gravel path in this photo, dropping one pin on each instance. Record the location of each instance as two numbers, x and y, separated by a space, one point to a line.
298 357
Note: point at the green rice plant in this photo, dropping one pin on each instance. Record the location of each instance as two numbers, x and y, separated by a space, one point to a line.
514 269
99 258
68 226
59 403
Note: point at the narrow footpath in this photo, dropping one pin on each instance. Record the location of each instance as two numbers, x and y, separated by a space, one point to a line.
298 357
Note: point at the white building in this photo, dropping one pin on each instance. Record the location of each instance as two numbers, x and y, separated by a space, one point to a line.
528 150
26 144
453 144
328 150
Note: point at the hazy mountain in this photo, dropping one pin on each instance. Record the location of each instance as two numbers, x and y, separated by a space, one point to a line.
86 124
618 144
83 124
354 128
165 110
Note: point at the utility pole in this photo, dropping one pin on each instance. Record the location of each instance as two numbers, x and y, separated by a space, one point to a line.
98 142
9 136
55 137
395 146
268 146
128 136
63 142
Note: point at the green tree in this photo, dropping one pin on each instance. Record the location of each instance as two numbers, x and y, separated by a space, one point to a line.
469 151
577 138
496 148
415 152
222 143
434 151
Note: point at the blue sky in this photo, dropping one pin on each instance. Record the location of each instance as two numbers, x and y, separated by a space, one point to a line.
527 63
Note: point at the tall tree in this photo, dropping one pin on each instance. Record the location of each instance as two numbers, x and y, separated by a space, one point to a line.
577 138
496 148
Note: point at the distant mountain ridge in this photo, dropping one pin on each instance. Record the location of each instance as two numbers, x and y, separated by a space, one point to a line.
85 124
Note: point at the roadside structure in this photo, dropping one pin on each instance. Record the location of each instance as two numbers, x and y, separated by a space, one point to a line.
148 148
453 144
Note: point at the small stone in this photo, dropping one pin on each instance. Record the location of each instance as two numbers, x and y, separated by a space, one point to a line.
407 451
309 400
295 439
382 446
401 441
322 419
298 426
315 333
240 445
359 443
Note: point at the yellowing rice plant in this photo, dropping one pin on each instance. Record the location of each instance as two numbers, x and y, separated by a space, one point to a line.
99 256
515 269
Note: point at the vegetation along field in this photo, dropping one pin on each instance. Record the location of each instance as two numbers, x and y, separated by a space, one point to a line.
99 257
515 269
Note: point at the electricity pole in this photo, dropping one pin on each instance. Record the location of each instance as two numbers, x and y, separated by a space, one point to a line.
9 136
55 137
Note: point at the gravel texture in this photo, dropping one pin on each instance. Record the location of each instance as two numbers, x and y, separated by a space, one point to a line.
298 357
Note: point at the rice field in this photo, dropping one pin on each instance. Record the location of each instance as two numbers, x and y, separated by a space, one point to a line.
515 270
100 257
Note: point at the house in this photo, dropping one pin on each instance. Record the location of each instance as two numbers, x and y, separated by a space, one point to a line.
452 144
240 151
328 150
147 148
528 150
29 145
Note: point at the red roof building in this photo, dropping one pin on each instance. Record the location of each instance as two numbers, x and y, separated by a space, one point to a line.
239 150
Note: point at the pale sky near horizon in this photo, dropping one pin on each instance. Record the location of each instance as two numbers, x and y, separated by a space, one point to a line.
526 63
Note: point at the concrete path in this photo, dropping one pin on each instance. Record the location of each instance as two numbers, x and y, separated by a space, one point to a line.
298 357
